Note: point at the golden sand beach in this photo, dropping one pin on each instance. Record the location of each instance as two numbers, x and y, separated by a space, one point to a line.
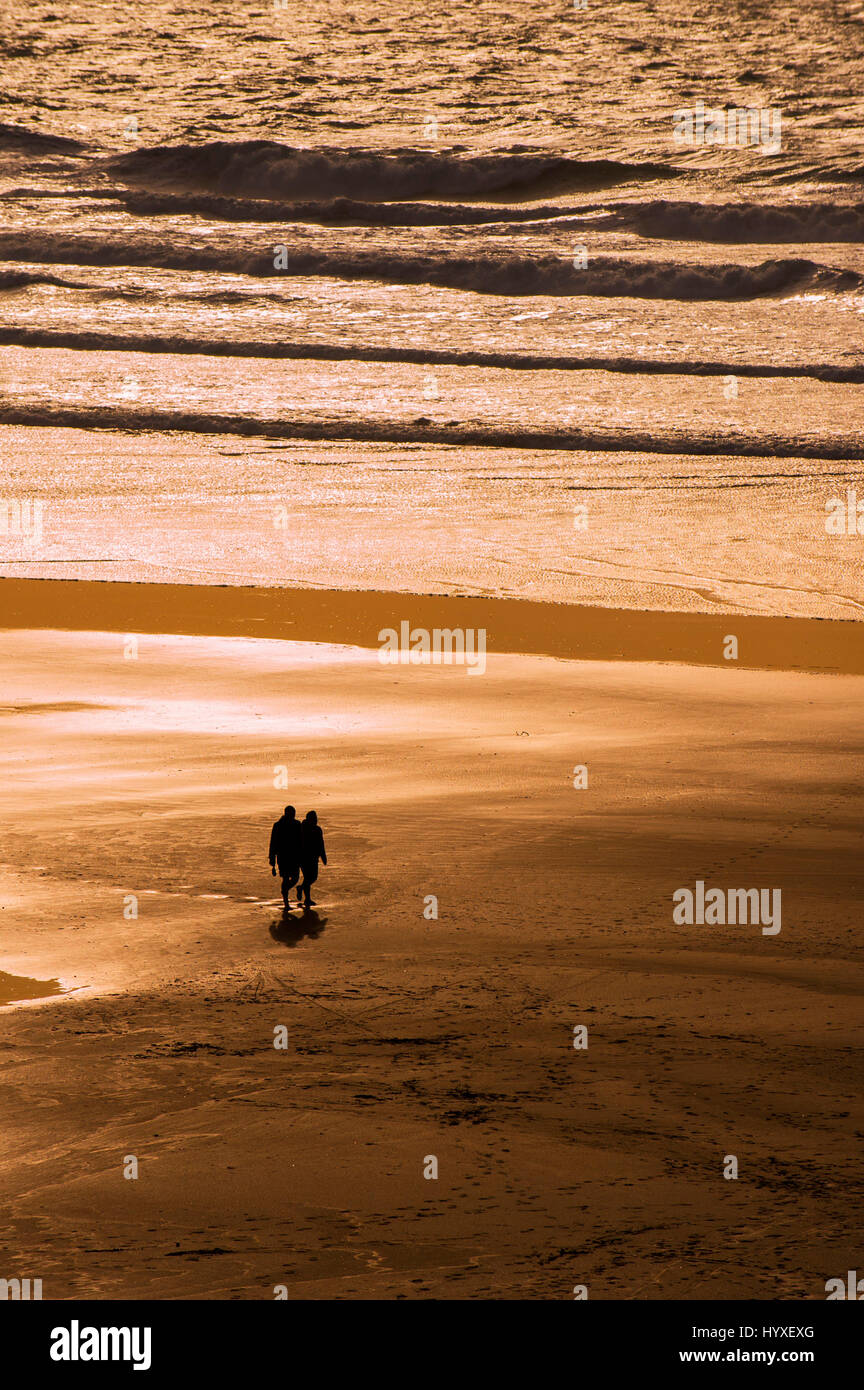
146 787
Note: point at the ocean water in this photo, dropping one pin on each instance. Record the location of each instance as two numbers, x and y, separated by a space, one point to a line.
434 300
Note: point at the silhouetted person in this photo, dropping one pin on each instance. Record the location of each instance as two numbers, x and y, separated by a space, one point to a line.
286 849
312 849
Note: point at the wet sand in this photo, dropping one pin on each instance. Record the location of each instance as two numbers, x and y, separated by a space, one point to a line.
355 617
17 988
410 1037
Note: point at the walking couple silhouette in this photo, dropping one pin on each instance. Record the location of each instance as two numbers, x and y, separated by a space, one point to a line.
297 846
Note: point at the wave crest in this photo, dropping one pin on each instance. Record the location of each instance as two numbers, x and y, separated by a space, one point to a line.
424 431
95 341
742 222
21 140
266 169
604 276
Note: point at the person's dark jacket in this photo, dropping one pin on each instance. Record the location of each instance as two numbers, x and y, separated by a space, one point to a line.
285 843
312 841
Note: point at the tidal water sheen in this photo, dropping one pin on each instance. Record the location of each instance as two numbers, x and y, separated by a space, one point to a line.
431 299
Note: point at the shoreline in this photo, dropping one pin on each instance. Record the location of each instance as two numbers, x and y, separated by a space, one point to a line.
513 626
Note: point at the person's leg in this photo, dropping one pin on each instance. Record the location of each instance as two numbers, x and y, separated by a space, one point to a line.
290 874
310 874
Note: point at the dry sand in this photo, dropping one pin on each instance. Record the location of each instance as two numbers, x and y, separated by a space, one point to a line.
410 1037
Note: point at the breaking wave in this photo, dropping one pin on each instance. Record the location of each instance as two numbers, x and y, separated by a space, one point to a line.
19 139
742 222
429 357
23 279
604 276
425 431
267 169
348 211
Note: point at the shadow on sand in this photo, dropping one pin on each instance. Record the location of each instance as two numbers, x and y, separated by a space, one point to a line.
292 927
